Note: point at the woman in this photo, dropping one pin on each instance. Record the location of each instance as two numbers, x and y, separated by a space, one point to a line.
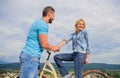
80 47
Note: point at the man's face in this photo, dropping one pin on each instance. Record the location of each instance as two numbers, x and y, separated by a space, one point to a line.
51 15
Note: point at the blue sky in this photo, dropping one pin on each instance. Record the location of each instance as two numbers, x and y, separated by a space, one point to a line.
101 16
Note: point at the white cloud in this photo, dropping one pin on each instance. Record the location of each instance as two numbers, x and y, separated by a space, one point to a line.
106 56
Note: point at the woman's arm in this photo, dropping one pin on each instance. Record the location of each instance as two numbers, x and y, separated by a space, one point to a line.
65 41
62 43
87 42
87 49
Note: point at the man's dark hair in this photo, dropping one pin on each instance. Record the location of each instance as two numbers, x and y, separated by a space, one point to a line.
47 9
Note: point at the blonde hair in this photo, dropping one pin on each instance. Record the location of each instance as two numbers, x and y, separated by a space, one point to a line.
78 22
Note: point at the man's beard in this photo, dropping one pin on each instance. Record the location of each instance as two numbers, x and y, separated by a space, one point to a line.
50 21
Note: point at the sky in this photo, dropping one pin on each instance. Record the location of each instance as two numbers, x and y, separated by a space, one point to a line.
101 16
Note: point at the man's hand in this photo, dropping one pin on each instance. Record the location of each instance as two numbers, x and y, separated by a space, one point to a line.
55 48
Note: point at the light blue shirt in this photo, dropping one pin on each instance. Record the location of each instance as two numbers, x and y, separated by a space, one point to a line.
80 42
33 46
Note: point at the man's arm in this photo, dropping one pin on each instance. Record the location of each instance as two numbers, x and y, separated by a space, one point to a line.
43 38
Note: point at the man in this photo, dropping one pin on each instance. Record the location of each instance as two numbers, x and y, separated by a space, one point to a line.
37 40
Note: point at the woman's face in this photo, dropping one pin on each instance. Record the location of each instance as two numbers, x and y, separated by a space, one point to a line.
80 25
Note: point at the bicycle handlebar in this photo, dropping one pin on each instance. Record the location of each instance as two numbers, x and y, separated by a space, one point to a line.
49 53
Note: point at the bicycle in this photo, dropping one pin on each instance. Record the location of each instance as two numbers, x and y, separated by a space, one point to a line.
48 71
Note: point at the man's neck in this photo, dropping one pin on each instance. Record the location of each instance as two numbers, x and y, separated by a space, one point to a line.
45 19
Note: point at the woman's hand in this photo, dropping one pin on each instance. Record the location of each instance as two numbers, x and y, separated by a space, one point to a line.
86 59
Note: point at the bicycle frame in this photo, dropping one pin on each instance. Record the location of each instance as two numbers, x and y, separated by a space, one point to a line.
51 70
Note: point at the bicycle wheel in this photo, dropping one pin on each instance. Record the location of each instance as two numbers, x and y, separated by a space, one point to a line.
46 75
94 74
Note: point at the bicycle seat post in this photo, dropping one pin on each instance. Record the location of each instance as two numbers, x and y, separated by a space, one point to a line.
48 55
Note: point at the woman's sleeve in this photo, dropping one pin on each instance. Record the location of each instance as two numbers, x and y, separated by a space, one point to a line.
87 42
68 38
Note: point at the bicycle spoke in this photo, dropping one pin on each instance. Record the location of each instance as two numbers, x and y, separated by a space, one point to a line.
94 74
